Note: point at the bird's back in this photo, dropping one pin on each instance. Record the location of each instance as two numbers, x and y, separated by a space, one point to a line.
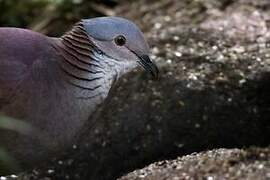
25 82
19 50
21 45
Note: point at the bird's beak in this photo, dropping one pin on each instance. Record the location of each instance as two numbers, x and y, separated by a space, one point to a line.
149 66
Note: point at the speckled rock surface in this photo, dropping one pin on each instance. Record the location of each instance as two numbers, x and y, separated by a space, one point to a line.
211 165
213 91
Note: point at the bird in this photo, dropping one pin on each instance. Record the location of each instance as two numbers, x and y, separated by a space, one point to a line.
52 85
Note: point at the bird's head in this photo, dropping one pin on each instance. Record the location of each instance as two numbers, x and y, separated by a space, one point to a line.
122 41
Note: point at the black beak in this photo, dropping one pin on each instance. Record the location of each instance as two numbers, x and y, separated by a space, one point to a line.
149 66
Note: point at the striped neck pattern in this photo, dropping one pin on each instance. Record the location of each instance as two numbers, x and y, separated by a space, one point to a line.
84 66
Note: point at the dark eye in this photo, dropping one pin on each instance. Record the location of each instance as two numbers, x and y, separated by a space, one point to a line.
120 40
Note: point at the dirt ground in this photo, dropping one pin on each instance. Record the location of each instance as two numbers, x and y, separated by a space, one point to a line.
213 92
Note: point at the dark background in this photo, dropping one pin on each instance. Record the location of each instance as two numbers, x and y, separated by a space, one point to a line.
52 17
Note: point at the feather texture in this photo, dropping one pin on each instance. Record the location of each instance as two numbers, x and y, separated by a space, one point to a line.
78 54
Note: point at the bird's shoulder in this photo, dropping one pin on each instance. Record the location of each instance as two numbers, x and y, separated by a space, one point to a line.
11 75
22 45
20 50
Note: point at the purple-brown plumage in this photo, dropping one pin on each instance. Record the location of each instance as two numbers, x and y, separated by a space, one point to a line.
30 87
55 84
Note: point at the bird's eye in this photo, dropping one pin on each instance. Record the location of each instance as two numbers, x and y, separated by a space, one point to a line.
120 40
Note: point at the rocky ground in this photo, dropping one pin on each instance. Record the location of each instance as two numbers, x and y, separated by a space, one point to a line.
237 164
213 92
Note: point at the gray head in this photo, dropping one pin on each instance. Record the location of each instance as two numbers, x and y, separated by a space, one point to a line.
121 40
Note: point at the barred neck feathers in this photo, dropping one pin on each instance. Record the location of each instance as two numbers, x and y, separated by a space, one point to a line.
85 67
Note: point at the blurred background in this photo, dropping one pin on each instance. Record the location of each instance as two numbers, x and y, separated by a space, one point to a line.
52 16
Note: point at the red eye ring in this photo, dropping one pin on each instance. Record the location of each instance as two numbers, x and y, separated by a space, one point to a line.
120 40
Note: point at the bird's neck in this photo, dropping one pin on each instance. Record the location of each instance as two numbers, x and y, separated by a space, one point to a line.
87 71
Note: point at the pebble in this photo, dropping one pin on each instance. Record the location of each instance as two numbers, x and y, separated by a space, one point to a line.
178 54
